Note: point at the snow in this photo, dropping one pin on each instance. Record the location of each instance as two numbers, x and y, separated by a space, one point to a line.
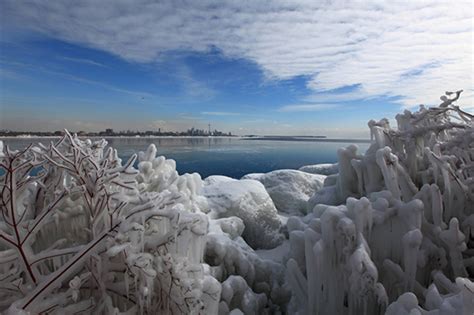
248 200
323 169
290 189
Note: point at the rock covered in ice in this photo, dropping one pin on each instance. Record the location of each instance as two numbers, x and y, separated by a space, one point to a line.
277 254
237 295
323 169
326 195
290 189
248 200
232 226
259 282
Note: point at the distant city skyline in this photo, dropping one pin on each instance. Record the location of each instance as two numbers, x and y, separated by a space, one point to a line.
267 68
109 132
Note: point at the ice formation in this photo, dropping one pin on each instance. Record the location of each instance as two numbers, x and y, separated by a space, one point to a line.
390 231
290 189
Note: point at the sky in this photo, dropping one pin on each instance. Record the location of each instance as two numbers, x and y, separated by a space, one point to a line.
248 67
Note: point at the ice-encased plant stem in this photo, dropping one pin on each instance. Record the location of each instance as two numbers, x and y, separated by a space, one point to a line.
89 238
396 235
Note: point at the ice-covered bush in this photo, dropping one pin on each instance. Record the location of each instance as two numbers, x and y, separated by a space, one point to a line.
394 230
80 232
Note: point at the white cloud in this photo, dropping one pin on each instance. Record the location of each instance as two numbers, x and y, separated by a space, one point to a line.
413 49
84 61
307 107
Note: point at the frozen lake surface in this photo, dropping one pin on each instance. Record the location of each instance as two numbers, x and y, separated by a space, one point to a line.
233 157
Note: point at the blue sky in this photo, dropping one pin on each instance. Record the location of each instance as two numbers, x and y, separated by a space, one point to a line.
279 68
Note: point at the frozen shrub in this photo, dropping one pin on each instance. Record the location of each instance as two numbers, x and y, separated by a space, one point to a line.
82 232
397 233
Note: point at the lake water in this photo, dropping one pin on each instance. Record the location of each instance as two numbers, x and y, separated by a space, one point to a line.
232 157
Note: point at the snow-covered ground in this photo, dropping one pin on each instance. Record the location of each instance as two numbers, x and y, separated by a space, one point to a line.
390 231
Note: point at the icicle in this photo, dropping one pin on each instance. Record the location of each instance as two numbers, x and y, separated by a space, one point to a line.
454 239
411 245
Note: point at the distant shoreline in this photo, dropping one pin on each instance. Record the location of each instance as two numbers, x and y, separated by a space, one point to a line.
307 139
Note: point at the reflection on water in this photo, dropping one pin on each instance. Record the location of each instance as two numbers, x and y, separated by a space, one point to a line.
232 157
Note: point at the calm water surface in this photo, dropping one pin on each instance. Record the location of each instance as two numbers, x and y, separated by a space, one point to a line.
232 157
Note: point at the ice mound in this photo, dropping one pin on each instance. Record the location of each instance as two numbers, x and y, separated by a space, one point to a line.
249 201
290 189
323 169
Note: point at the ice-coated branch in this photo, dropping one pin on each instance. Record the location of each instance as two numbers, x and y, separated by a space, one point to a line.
84 200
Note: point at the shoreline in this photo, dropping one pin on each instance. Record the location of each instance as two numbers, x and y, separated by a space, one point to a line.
292 139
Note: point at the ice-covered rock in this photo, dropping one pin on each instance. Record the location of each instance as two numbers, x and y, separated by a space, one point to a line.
323 169
326 195
237 295
248 200
290 189
257 284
